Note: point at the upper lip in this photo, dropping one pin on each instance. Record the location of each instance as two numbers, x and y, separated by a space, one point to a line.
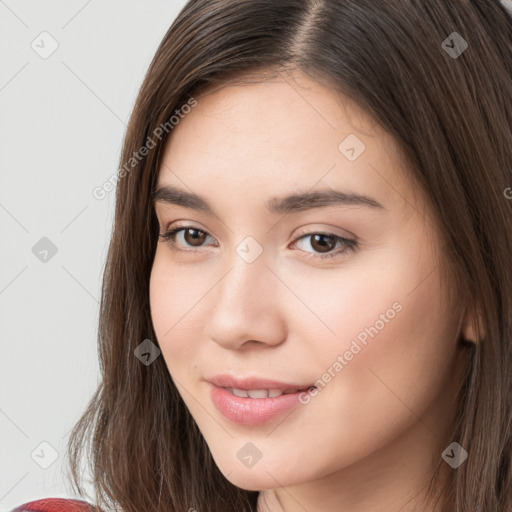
228 381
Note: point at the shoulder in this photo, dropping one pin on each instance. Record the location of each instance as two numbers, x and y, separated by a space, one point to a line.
56 505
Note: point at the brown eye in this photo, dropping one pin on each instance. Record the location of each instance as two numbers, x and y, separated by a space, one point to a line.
323 243
187 236
326 245
194 237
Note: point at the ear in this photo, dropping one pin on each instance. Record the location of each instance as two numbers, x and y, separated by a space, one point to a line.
472 327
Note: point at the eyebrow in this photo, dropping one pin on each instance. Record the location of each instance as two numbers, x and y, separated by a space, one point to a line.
277 205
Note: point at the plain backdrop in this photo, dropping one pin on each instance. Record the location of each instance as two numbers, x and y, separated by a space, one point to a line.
69 74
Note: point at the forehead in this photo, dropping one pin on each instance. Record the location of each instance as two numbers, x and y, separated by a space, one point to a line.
263 137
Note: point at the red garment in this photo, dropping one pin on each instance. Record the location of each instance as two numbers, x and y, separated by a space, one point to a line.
56 505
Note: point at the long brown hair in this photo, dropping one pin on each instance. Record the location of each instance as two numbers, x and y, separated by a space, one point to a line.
450 109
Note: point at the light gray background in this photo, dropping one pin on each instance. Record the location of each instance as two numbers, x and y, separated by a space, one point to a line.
62 122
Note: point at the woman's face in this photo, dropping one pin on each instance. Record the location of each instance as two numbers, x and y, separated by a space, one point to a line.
266 294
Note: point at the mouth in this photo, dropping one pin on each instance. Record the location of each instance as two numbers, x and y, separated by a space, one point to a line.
264 393
256 387
253 401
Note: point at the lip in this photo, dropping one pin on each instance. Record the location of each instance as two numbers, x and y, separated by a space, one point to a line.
253 411
228 381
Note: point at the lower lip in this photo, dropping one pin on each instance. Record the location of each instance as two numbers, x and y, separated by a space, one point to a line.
251 411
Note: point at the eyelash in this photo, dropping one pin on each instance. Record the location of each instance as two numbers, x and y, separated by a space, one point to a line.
349 245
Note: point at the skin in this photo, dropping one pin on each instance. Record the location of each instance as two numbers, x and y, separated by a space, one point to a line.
370 436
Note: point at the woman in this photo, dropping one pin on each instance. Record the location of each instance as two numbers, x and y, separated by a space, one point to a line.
307 297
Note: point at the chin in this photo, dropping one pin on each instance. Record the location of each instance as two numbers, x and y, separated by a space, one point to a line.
249 481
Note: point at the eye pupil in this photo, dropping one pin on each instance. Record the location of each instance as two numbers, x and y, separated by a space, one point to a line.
195 238
323 247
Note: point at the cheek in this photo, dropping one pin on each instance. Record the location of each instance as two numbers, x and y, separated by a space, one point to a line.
370 299
163 297
387 330
176 297
390 300
388 364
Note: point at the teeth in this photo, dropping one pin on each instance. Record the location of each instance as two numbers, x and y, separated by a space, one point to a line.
259 393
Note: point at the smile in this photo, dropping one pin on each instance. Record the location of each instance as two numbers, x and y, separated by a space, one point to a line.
252 402
262 393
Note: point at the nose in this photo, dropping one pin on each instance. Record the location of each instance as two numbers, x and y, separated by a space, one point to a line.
247 307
